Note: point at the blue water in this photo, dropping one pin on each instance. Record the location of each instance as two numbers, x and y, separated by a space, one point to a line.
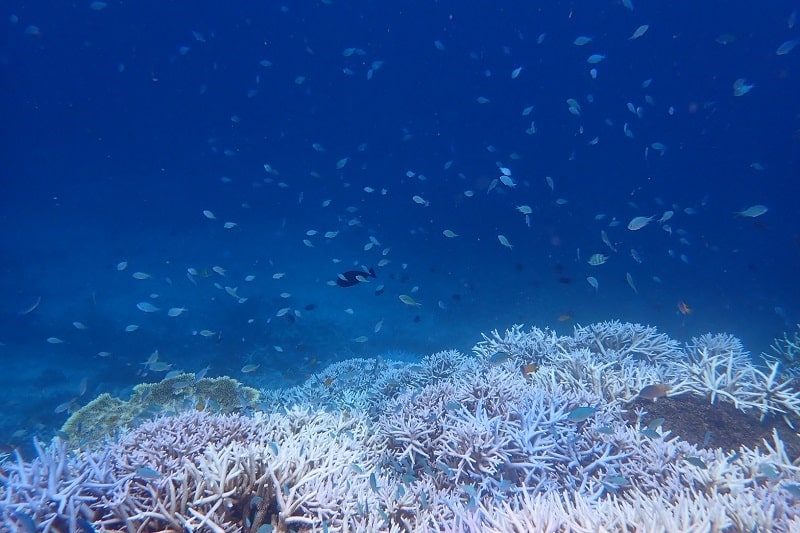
123 122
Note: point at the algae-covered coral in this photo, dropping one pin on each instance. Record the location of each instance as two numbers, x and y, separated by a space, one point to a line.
105 415
456 442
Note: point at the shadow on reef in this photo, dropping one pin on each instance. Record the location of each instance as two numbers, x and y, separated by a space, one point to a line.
722 425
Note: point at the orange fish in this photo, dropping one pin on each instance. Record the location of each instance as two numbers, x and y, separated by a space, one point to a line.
684 308
565 317
528 369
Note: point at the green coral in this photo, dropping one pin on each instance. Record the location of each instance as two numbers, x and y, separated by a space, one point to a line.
105 415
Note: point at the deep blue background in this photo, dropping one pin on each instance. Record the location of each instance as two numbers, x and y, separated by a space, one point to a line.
115 140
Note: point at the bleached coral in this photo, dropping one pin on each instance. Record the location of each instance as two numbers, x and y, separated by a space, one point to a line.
453 443
786 349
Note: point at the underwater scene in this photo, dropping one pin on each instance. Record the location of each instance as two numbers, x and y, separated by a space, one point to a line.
380 266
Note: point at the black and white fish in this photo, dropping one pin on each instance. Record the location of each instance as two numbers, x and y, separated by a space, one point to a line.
353 277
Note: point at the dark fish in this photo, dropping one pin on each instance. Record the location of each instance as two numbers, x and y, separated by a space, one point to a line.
652 392
352 277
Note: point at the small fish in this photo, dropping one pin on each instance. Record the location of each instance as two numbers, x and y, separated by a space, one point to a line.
741 87
638 223
629 279
650 433
353 277
508 181
591 280
408 300
786 47
666 216
616 480
753 211
595 58
696 461
579 414
498 358
54 340
420 200
141 275
449 233
209 214
146 472
769 471
181 385
597 259
528 369
146 307
60 408
683 308
201 374
251 367
122 265
176 311
31 307
641 30
452 406
654 391
504 241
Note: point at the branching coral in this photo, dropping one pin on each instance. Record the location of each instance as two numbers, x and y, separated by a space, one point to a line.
787 350
454 443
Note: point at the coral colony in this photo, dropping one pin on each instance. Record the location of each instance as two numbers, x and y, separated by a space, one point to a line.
532 432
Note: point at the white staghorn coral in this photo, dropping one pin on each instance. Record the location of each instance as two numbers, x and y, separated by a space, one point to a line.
453 443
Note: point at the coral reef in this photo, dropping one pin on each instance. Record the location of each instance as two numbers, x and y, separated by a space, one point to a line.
456 442
104 415
786 350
